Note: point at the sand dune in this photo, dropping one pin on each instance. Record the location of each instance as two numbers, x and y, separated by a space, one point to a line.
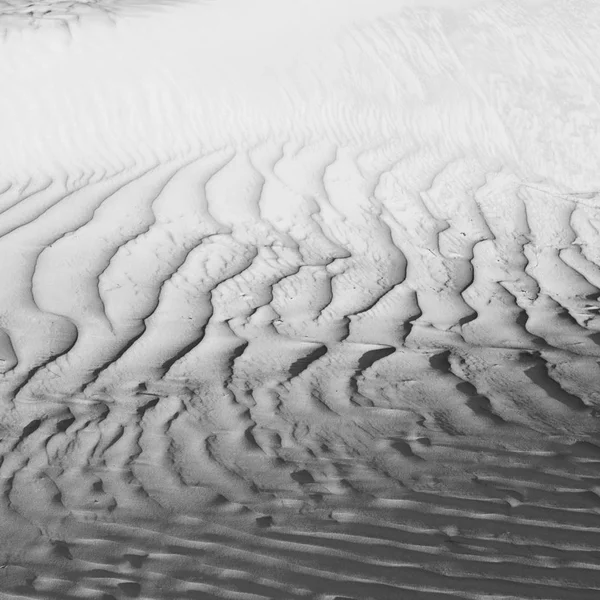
299 300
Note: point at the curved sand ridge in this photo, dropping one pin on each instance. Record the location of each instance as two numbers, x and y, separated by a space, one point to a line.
342 345
20 15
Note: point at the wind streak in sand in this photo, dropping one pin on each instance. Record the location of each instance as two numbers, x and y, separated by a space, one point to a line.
314 323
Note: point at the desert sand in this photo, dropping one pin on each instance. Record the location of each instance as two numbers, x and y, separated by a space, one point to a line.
300 300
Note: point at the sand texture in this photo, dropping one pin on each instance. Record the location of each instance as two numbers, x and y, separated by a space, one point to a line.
300 300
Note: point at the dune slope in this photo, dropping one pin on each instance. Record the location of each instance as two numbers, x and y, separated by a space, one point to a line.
299 300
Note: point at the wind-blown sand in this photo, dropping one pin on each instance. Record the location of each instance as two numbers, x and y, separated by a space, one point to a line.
300 300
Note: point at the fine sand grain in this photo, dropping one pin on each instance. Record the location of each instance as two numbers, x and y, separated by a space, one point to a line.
300 300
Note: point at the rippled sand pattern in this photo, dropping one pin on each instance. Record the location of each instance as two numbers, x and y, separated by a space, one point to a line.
261 403
320 326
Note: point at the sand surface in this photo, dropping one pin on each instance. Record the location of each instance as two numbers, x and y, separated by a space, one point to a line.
300 300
